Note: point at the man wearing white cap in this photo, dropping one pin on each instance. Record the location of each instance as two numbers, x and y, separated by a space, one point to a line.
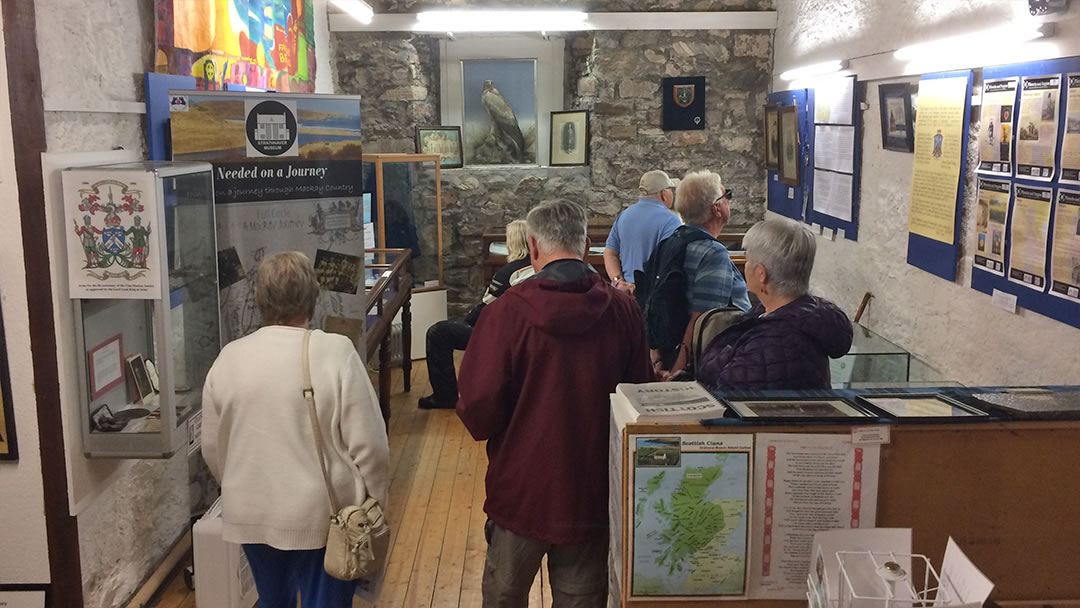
639 229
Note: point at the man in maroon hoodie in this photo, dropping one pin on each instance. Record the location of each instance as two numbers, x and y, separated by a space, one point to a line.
535 383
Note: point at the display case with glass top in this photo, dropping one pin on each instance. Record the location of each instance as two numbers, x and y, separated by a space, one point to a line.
403 210
144 281
874 362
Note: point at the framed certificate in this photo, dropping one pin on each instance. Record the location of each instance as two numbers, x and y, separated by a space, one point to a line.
106 366
825 410
924 406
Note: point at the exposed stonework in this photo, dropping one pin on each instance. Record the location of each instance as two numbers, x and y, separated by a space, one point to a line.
403 93
133 526
617 76
474 204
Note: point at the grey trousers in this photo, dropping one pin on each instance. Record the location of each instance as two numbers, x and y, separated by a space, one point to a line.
578 572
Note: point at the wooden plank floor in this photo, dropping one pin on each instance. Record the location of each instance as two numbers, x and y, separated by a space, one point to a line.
436 511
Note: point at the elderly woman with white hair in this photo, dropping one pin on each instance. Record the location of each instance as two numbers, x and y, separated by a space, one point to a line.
259 441
784 342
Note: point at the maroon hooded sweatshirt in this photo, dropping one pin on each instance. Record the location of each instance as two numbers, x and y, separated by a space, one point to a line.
535 383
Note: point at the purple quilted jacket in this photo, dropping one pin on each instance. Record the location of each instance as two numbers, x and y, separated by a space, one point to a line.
788 349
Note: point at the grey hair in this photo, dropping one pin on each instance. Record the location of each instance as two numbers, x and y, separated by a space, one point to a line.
286 288
695 196
786 248
559 226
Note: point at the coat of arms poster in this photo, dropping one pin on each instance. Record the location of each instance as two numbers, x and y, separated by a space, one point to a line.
112 220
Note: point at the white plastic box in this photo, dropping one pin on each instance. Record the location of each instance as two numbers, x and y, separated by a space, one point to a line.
222 574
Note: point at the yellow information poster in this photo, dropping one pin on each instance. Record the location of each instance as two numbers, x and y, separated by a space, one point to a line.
995 139
1070 146
1037 129
939 137
1030 231
1065 250
991 217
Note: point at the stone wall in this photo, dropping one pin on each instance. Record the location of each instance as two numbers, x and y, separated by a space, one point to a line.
616 75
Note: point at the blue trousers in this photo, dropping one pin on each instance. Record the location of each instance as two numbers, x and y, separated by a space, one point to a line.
279 575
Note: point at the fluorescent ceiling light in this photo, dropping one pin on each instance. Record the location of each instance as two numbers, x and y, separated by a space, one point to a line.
357 9
1005 35
501 21
810 71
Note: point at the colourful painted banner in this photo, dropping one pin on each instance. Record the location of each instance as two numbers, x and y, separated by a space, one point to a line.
268 44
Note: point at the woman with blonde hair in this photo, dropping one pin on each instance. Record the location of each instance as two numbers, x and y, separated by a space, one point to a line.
259 442
445 337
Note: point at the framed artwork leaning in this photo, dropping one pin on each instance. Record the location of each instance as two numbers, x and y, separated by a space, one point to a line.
9 445
772 138
897 117
569 138
444 141
789 146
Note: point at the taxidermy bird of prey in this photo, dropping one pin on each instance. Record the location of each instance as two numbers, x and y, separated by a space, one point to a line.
504 124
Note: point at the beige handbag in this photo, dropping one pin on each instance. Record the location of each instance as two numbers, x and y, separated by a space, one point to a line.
359 537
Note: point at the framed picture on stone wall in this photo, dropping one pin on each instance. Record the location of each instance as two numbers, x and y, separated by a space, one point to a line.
772 138
444 141
789 146
569 138
897 117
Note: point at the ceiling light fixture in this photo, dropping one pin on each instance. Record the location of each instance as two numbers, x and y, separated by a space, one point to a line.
357 9
1007 35
817 69
460 21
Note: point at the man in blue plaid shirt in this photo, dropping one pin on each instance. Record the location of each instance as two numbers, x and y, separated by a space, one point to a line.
712 279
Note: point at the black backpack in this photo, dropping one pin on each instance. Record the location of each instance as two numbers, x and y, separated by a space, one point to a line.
660 289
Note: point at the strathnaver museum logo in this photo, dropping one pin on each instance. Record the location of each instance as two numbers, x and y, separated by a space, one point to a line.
271 128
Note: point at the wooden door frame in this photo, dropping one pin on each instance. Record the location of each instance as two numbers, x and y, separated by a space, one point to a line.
28 137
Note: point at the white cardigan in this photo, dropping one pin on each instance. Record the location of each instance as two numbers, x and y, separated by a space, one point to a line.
257 438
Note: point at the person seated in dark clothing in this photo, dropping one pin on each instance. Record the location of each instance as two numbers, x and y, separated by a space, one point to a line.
444 337
785 341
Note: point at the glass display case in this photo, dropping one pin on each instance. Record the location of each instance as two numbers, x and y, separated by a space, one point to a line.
403 210
874 361
144 283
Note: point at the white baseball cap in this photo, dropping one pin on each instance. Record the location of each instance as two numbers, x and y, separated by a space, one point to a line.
655 181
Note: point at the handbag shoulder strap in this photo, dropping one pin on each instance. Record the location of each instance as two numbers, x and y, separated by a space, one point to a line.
309 396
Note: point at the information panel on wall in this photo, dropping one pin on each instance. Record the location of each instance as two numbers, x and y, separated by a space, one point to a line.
1070 147
834 181
286 177
1037 133
940 158
939 135
996 126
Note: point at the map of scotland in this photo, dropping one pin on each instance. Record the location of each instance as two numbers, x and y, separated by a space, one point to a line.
690 523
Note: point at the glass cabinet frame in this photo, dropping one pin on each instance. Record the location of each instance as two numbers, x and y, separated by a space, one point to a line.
375 194
178 327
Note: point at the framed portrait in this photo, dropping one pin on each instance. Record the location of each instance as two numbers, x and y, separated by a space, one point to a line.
106 366
788 119
569 138
9 445
897 117
500 109
444 141
916 407
772 138
790 410
137 369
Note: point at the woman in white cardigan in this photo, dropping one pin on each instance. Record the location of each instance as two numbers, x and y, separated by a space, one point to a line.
258 442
